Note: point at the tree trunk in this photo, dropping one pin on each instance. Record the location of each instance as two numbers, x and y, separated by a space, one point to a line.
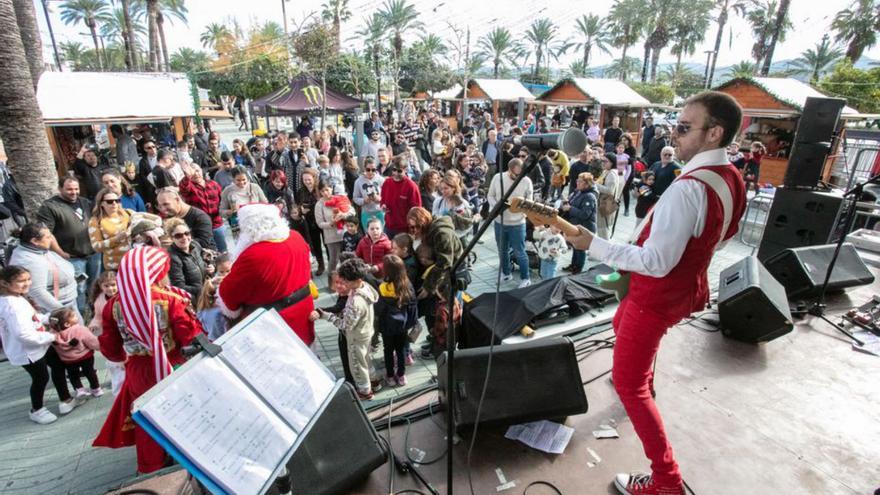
495 68
160 23
586 57
30 37
130 58
323 98
777 29
97 46
21 128
677 72
152 14
645 58
623 68
722 20
378 78
336 33
129 66
655 59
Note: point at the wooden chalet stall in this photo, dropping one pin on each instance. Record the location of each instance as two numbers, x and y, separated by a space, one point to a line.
604 99
772 107
79 107
502 94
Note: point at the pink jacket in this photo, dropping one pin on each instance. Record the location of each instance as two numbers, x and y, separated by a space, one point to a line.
84 349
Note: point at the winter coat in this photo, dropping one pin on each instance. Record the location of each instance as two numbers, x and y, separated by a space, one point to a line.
584 207
356 319
187 269
373 252
393 319
447 247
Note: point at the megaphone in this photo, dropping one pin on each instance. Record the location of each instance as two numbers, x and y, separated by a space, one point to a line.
571 142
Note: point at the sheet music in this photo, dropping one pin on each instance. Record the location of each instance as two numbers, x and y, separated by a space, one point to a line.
279 366
221 425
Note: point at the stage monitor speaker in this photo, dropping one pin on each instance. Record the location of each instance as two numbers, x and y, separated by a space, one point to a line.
802 270
752 306
529 381
340 450
812 141
798 218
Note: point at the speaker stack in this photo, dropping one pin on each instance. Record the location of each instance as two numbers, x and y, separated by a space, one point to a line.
752 306
802 270
800 215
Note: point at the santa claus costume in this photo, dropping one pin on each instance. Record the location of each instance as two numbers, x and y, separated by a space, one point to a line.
145 325
271 269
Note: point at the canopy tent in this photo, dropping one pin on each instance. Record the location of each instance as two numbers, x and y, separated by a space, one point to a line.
579 293
303 95
83 98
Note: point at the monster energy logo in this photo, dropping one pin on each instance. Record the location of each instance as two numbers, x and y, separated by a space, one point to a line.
313 95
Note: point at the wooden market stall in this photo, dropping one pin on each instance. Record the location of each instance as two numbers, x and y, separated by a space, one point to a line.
502 94
79 107
772 107
603 98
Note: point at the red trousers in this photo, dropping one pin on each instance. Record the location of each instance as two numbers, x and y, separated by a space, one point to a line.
639 331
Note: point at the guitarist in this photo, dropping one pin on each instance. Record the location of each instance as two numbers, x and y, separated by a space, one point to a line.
668 263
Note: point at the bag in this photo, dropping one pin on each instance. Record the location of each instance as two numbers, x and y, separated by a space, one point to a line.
415 332
607 205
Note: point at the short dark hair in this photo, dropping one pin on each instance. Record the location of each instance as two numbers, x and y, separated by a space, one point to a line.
163 153
352 269
722 110
238 170
67 178
30 231
225 156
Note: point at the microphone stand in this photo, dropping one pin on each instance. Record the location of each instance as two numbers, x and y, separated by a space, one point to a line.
450 306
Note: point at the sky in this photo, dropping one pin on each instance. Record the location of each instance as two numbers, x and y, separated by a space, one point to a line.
811 20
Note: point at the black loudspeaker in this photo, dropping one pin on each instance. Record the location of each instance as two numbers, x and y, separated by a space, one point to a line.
752 305
341 449
812 141
798 218
802 270
529 381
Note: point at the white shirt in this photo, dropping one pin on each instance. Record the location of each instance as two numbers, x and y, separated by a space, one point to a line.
679 215
523 190
22 342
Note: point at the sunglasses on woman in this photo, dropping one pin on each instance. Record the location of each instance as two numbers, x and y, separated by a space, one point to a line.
181 235
111 201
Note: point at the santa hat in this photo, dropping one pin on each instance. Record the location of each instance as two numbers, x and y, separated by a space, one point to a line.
259 222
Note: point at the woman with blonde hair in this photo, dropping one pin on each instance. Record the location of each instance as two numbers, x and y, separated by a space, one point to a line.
108 228
451 203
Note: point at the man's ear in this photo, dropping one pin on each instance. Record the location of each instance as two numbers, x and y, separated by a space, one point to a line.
714 135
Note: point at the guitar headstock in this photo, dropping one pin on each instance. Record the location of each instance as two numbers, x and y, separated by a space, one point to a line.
539 214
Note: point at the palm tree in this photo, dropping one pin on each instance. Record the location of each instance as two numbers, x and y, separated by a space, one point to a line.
171 9
857 26
815 62
373 32
591 28
763 16
745 68
431 45
337 12
399 17
73 52
724 9
621 67
658 26
626 26
688 31
777 34
21 128
540 34
129 30
186 59
86 12
113 26
215 36
498 45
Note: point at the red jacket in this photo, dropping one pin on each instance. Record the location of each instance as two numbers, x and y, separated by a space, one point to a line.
398 198
374 252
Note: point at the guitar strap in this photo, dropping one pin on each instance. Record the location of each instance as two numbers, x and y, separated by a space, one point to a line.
712 179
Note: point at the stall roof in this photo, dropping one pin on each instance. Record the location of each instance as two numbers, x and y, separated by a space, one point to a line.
786 90
74 98
607 92
303 95
500 89
447 94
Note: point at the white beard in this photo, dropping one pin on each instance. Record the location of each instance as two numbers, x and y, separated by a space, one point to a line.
258 226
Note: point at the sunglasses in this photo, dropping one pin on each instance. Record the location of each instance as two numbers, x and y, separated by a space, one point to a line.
181 235
369 170
111 201
682 129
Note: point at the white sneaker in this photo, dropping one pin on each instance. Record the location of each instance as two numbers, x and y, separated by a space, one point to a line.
524 283
42 416
506 278
66 407
81 395
97 392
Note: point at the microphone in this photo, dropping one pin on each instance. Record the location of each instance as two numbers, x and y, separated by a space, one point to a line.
571 142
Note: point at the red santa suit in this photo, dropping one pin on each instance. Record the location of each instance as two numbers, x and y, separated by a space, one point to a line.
145 325
668 266
271 263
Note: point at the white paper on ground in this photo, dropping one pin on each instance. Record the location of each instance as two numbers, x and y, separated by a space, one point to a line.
221 425
543 435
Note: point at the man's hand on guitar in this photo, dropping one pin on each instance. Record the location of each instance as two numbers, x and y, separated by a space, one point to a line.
581 241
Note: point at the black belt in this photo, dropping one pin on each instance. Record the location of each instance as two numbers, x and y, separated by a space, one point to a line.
286 302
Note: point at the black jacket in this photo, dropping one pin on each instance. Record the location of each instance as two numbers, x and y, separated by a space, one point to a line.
187 269
199 224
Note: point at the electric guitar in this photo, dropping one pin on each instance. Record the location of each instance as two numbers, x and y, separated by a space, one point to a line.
544 215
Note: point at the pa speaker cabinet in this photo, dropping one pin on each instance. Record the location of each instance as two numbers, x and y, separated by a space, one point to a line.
812 141
798 218
802 270
529 381
752 305
805 164
340 450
